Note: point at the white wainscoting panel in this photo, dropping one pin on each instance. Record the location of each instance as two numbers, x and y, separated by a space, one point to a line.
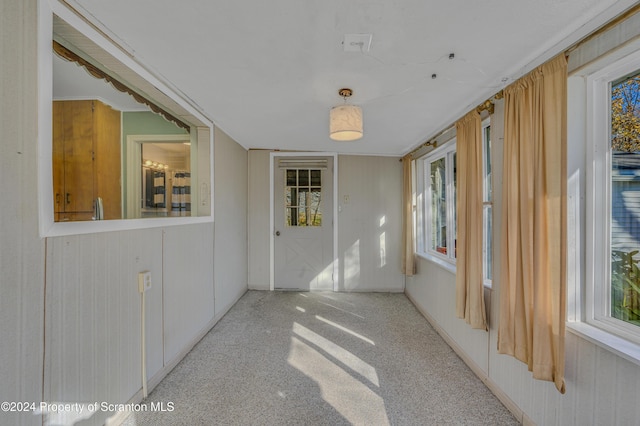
93 317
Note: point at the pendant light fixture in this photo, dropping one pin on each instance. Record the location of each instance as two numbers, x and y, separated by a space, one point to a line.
345 121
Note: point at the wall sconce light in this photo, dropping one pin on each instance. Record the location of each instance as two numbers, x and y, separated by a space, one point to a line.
345 121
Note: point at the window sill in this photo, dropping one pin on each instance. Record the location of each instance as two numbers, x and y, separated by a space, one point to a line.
59 229
447 266
619 346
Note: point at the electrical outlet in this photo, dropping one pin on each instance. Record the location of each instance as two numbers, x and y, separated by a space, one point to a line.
144 281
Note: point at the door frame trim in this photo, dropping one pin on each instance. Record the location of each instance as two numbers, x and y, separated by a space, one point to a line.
272 166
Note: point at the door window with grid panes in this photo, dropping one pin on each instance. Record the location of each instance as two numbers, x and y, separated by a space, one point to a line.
303 194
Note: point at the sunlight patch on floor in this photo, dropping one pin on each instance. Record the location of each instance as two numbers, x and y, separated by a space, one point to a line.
347 358
334 298
350 397
340 309
346 330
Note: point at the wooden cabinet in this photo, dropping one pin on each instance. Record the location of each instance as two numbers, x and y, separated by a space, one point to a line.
86 160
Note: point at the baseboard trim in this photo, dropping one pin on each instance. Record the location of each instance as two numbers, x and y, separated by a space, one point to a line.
120 417
493 386
396 290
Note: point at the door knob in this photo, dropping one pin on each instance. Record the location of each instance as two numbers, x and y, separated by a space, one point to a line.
277 233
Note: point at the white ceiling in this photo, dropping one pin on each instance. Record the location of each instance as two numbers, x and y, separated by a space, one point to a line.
267 72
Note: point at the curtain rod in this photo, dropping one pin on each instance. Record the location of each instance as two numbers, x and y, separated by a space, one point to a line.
484 106
96 72
488 104
422 145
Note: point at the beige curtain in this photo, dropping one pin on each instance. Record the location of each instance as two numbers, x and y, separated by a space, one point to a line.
469 276
408 255
533 261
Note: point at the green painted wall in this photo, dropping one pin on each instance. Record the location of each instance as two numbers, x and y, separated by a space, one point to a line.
148 123
142 123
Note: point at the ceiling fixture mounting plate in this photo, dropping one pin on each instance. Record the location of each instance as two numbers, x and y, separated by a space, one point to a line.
345 92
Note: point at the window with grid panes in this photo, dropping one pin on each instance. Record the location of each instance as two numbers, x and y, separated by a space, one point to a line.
303 194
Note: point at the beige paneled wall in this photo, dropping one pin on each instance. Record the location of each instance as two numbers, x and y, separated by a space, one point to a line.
188 286
258 219
21 250
433 291
369 223
230 269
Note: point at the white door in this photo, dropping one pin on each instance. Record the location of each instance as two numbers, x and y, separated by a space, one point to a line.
303 223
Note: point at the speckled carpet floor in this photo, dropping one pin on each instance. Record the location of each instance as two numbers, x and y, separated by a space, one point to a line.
323 359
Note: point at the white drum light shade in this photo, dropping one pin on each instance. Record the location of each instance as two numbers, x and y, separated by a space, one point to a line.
345 123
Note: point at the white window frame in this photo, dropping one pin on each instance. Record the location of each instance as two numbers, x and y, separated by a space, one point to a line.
423 219
487 205
598 253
